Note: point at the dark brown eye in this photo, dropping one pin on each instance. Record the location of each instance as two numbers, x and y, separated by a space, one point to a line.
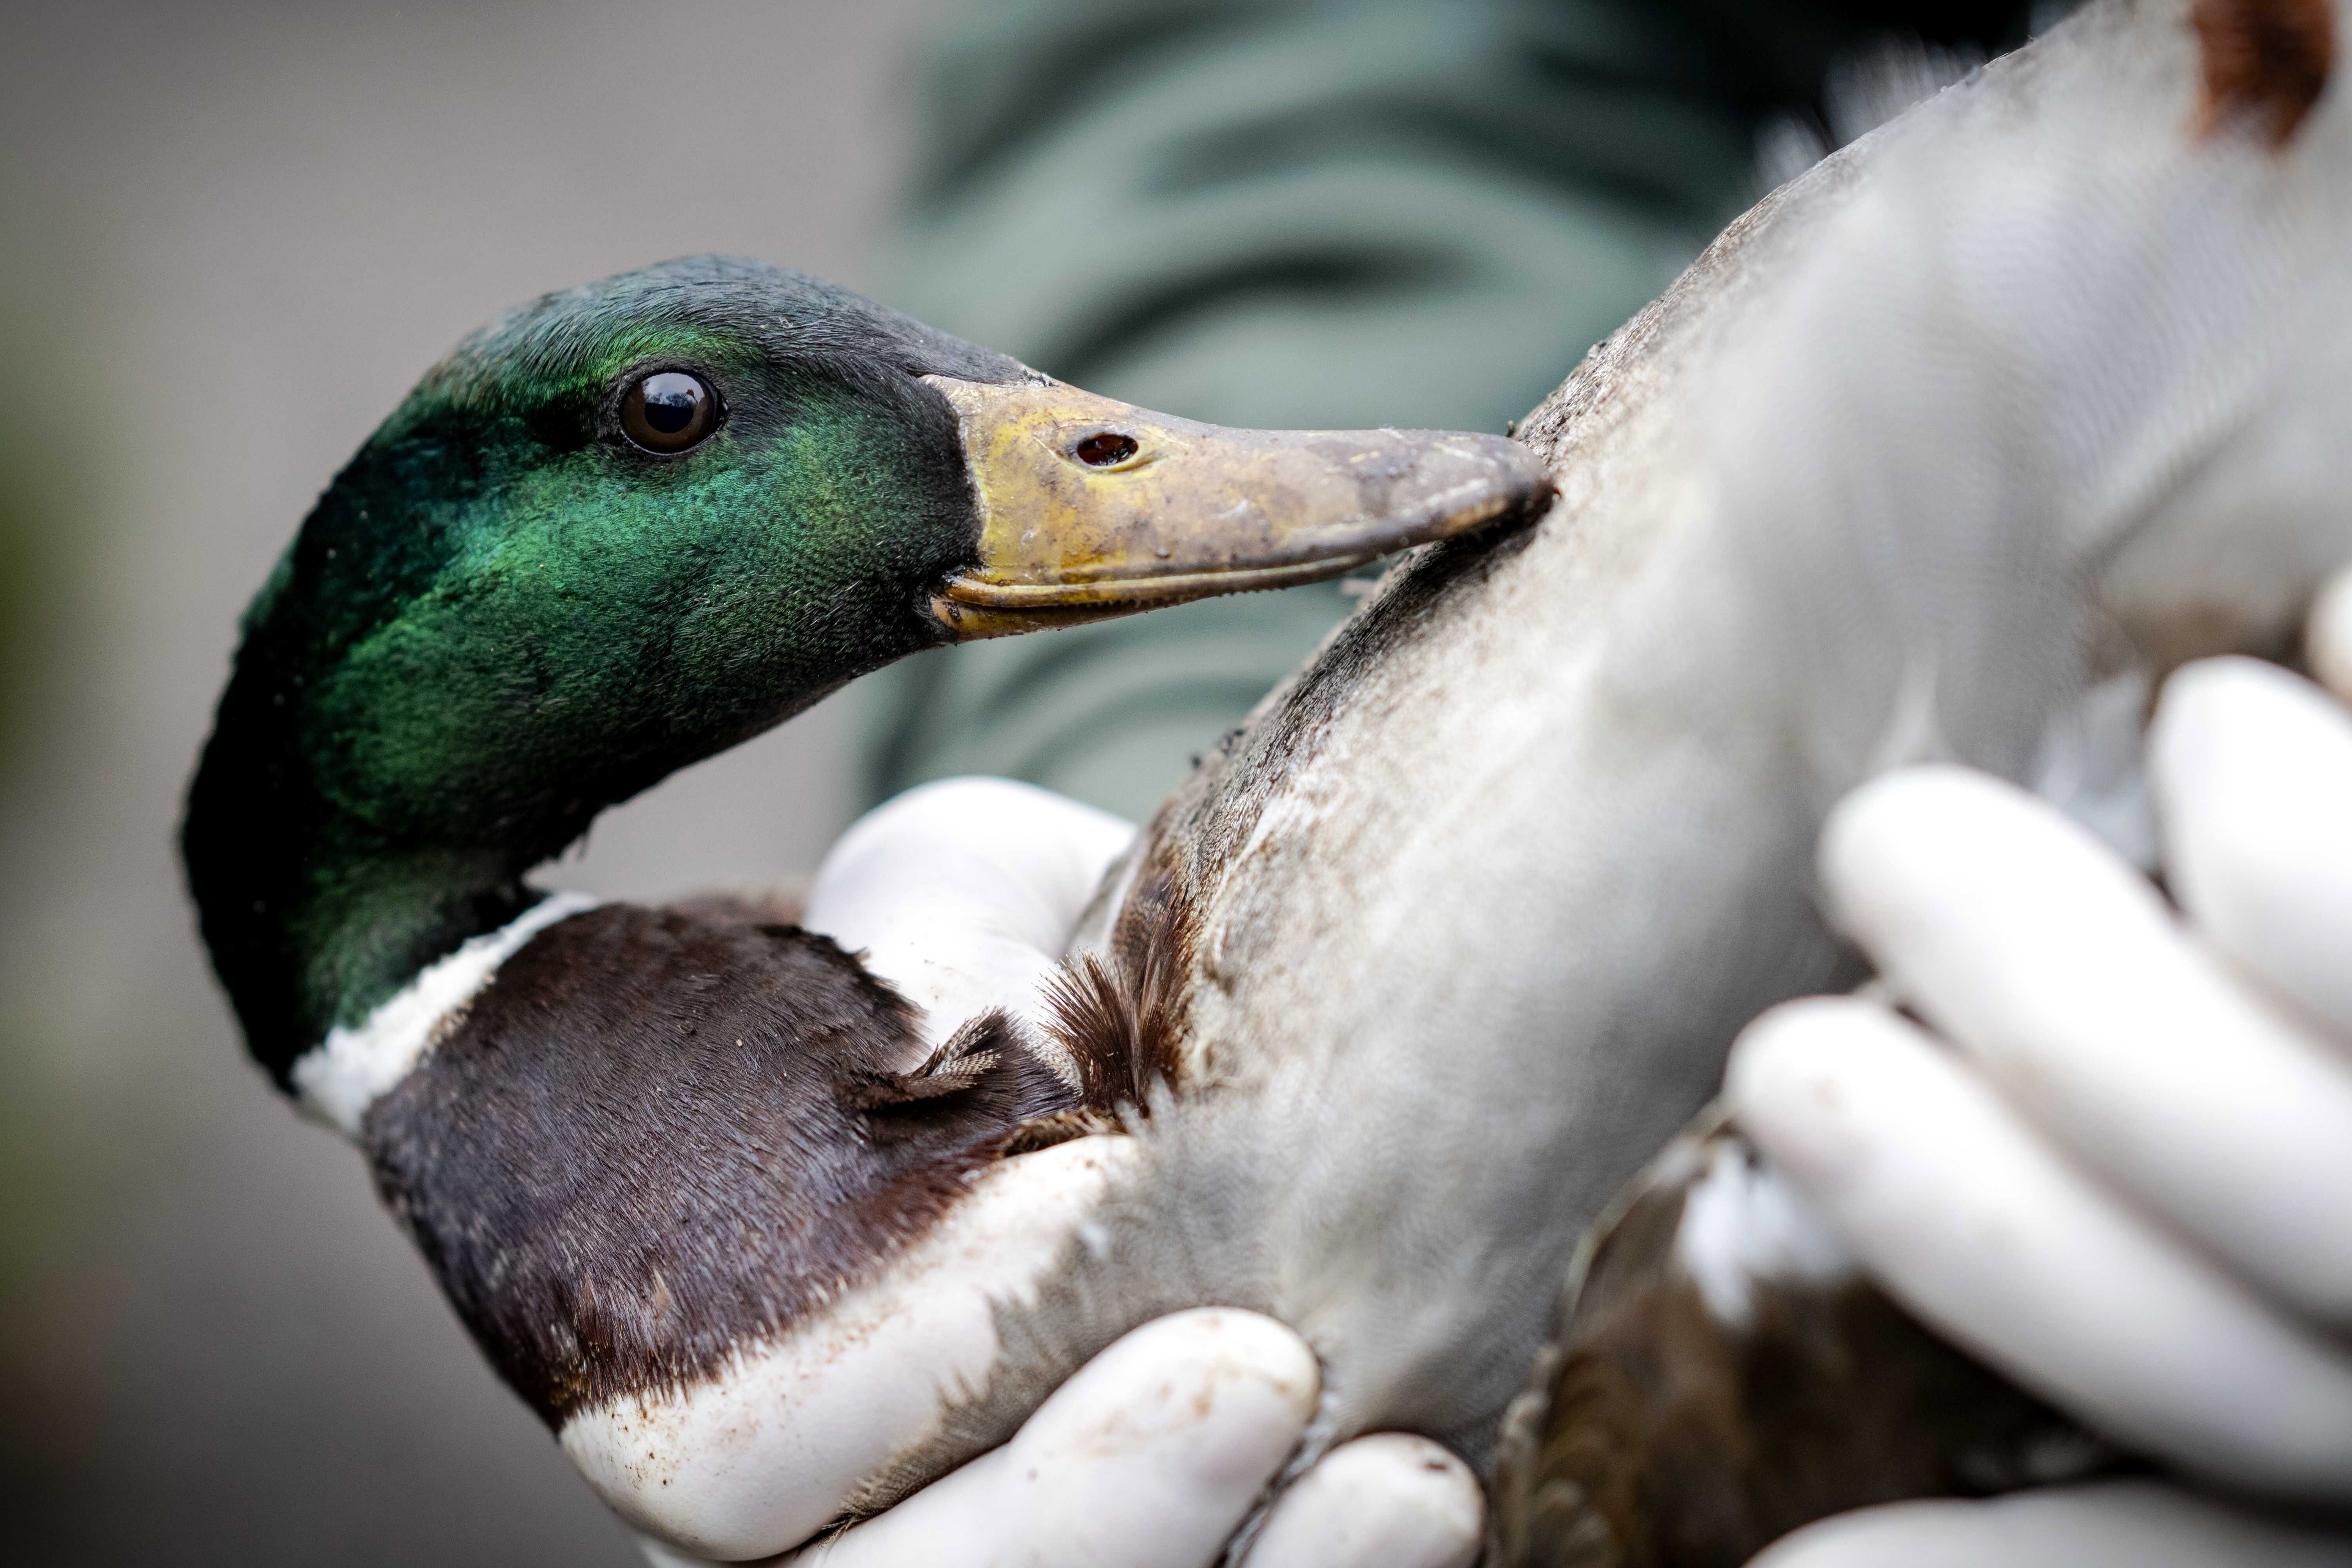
1104 449
668 411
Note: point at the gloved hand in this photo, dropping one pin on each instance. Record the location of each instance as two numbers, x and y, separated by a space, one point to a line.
2117 1161
1155 1453
1158 1450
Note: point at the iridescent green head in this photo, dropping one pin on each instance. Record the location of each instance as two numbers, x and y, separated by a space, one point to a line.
630 524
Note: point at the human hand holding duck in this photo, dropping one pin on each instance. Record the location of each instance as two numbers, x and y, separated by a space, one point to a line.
2115 1161
1154 1453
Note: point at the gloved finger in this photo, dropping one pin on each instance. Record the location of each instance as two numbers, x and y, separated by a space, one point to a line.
1149 1457
962 921
2327 636
2252 769
2056 966
2111 1524
1390 1500
1964 1212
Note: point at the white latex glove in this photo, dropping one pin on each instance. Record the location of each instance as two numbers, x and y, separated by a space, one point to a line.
2120 1169
1153 1454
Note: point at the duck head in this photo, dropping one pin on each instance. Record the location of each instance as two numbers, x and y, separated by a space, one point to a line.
629 525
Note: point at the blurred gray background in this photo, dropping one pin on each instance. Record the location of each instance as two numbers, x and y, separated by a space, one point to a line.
234 235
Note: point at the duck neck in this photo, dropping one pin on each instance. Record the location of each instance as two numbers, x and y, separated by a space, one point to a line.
365 925
315 916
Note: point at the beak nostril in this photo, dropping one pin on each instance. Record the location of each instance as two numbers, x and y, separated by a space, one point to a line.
1104 449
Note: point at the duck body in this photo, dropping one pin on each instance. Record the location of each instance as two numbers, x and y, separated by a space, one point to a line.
1947 450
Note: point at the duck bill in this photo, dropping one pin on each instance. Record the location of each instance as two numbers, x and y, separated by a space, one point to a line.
1091 508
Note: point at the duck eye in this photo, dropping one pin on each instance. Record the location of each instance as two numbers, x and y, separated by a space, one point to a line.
668 411
1104 449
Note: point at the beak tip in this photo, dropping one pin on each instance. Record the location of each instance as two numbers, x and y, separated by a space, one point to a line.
1504 482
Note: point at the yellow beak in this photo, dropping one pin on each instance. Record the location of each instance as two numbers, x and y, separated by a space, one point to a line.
1091 508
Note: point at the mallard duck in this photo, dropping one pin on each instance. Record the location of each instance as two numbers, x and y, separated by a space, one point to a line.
620 529
1420 967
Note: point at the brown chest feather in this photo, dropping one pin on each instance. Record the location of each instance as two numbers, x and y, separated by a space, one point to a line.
660 1135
